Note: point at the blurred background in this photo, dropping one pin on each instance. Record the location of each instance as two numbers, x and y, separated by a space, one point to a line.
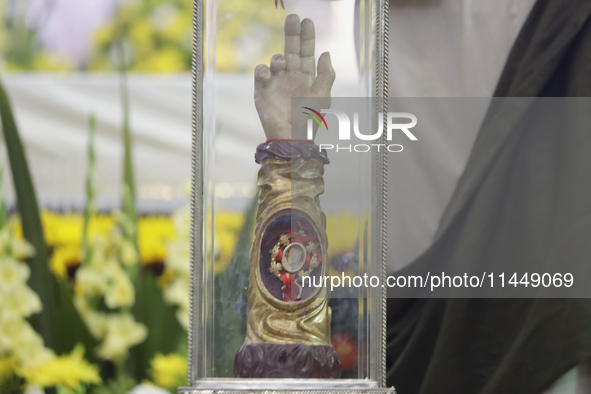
100 93
96 163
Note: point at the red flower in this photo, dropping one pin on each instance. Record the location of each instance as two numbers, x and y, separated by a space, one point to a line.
347 348
283 6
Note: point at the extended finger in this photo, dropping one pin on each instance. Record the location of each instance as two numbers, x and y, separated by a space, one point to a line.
278 63
262 75
308 41
292 42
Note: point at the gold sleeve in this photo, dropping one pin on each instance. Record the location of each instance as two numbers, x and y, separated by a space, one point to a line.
289 189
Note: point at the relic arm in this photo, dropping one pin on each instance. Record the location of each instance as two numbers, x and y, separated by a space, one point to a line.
288 321
290 180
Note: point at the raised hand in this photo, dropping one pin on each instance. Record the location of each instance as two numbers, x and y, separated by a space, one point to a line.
292 75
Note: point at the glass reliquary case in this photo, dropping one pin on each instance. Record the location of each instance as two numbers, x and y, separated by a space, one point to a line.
285 201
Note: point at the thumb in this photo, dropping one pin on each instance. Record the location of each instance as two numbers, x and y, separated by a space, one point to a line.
325 78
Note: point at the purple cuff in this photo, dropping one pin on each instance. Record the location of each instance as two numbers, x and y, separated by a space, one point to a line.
288 149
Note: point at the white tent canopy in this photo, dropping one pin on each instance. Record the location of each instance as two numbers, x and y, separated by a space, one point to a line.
438 48
52 114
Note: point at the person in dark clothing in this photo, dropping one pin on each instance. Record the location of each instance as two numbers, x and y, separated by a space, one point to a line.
494 346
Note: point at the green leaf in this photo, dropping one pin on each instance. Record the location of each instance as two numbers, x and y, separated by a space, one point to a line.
165 334
128 179
121 384
89 207
41 278
71 330
58 323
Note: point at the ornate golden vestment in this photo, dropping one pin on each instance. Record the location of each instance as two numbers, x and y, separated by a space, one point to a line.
289 193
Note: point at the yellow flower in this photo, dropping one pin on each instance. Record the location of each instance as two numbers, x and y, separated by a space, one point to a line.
105 33
129 11
342 231
165 60
229 221
46 61
63 258
62 229
169 371
141 36
7 366
102 64
70 371
178 27
123 332
225 243
153 234
227 228
152 250
99 227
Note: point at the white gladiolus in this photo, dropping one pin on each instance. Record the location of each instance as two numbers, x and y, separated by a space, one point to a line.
123 332
21 249
120 292
178 258
94 320
129 254
182 315
12 273
20 302
177 293
91 281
